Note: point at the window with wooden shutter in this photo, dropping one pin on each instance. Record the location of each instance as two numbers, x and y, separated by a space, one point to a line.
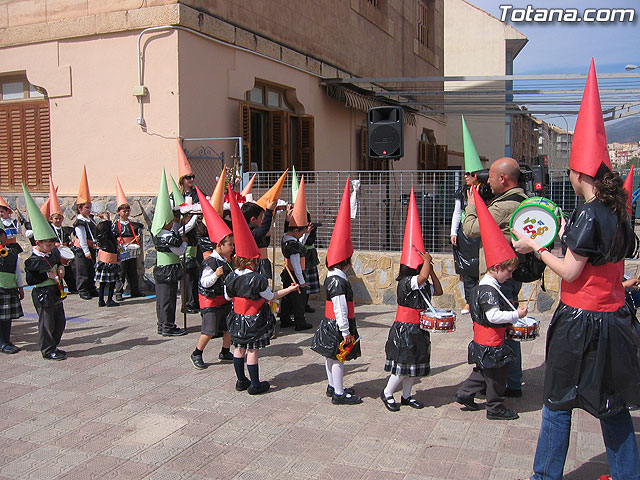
432 157
25 145
277 158
307 160
245 129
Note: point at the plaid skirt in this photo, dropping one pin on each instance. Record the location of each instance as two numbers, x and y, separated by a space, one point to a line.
10 306
313 279
408 350
106 272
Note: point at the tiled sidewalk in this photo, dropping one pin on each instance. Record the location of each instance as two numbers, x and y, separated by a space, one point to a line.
128 404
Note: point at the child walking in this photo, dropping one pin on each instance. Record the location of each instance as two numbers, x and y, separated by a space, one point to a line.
107 268
250 321
490 312
339 325
11 293
408 347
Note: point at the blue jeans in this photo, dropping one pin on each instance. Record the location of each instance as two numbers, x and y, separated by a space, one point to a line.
553 443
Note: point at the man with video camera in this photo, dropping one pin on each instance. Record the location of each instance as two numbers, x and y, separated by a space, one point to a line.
503 179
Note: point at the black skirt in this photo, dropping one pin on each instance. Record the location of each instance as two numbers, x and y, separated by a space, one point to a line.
408 350
251 331
328 337
592 361
489 357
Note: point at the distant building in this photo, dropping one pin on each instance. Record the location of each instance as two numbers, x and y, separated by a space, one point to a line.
524 138
622 153
555 143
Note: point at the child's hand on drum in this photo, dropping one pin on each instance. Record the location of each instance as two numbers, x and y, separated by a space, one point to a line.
522 311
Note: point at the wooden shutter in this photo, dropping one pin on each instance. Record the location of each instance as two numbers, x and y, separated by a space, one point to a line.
364 146
25 146
305 134
245 133
278 157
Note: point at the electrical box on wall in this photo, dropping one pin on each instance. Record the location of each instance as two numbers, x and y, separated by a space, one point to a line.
139 90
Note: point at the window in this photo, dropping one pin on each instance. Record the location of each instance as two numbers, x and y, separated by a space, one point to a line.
18 89
423 24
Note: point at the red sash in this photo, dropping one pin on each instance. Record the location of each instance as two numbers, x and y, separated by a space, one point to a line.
407 315
209 302
597 288
107 257
329 313
244 306
489 336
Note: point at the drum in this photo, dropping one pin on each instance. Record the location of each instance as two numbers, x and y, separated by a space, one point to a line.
66 255
128 251
525 329
539 218
443 322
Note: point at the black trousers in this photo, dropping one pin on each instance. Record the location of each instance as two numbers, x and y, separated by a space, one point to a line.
5 332
128 272
493 379
70 278
293 303
166 299
469 284
85 272
51 324
191 279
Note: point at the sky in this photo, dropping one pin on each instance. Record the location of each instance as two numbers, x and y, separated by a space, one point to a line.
565 47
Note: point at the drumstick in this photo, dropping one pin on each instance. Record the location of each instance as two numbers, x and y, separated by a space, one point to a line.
293 279
535 287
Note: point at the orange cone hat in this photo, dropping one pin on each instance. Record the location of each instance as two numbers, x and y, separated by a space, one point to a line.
121 198
4 204
628 186
217 197
274 192
54 203
589 147
341 246
45 208
247 189
496 247
245 243
299 214
84 196
215 225
184 167
412 236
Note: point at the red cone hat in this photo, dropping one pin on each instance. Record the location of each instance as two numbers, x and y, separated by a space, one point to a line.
45 208
628 186
496 247
245 243
54 203
84 196
4 204
184 167
249 186
341 246
412 236
217 197
215 225
121 198
299 214
589 147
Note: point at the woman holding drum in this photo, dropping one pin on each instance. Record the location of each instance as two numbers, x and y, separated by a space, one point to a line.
592 343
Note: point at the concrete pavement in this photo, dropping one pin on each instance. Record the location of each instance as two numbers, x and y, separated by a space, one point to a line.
127 403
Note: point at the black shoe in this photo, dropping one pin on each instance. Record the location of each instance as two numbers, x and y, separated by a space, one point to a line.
225 356
412 402
101 303
391 405
512 392
111 303
309 309
118 297
62 352
303 326
198 362
85 296
467 402
190 310
502 414
94 293
286 324
331 391
9 348
243 384
137 295
345 399
174 332
72 292
261 388
54 356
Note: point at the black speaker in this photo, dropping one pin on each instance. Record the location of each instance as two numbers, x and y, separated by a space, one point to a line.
386 138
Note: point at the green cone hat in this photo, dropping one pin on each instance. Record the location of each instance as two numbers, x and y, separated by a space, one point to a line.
178 198
41 228
295 185
163 213
472 161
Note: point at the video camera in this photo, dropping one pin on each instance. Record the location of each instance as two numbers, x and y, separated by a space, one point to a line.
533 179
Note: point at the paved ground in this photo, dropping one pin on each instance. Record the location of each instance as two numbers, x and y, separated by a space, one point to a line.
129 404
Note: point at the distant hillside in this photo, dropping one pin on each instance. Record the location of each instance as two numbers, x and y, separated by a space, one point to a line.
623 131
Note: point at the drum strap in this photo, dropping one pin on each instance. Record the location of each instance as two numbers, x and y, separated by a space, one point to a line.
123 239
505 299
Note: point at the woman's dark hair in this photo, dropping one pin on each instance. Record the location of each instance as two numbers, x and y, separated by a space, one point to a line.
251 210
609 191
340 265
408 272
241 263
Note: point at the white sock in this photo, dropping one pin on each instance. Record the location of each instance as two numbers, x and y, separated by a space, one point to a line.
337 371
407 385
327 365
392 385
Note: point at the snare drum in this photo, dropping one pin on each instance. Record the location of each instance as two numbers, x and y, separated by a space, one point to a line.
128 251
66 255
539 218
443 322
525 329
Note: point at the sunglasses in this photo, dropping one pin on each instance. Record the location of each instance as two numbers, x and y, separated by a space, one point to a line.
189 177
568 172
